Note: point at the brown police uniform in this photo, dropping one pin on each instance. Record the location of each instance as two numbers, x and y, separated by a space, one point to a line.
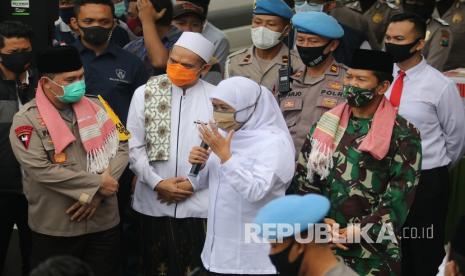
351 17
53 183
455 16
378 16
245 63
438 43
310 98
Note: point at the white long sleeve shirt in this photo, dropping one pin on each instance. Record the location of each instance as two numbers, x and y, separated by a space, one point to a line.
186 108
238 189
432 103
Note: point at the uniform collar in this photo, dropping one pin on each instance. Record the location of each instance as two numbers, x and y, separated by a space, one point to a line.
191 90
111 48
301 75
410 73
281 58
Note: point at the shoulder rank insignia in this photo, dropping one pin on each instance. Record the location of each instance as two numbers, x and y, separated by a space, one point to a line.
285 58
334 69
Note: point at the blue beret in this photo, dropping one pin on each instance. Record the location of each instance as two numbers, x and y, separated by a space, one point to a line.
273 7
293 209
318 23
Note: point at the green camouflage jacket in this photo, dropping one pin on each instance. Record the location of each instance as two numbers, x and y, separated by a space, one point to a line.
365 190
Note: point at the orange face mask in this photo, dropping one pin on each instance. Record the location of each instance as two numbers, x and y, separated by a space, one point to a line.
180 75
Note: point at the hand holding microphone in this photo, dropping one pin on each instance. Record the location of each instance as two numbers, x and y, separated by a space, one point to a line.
198 157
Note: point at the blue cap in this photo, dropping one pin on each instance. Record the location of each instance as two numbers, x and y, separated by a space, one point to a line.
273 7
294 210
318 23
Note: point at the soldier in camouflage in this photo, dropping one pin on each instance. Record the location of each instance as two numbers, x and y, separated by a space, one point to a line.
373 167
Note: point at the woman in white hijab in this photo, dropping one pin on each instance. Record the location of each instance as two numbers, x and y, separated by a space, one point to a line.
252 163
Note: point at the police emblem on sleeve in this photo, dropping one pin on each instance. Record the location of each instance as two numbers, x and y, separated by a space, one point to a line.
24 135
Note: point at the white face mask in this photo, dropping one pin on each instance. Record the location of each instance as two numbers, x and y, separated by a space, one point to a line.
264 38
304 6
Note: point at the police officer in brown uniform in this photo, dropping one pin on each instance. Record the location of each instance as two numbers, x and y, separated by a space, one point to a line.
71 154
438 35
316 86
453 12
354 18
378 13
262 61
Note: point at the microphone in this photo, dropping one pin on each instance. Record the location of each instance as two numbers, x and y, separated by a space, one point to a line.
196 167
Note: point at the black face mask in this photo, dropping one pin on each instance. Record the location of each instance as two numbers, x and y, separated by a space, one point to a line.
66 14
282 264
16 62
401 53
96 36
313 56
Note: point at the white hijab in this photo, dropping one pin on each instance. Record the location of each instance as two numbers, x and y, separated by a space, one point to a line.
265 128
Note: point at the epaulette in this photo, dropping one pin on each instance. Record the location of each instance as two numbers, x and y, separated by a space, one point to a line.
241 51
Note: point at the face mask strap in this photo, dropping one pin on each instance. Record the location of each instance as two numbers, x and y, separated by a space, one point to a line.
252 105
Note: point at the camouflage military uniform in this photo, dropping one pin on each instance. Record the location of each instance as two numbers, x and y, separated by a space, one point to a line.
365 190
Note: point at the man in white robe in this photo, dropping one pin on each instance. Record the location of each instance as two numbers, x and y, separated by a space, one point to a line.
162 121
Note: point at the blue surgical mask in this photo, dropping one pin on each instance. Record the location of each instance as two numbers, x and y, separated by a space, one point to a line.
305 6
120 9
72 92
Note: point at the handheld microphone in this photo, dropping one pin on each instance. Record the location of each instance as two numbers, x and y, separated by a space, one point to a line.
196 167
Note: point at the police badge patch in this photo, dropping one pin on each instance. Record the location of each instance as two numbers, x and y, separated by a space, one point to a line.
24 135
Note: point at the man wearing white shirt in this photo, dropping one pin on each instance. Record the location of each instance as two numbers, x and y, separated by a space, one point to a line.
162 123
432 103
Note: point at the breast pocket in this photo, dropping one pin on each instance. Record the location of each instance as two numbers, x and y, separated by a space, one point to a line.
329 102
374 174
291 108
64 158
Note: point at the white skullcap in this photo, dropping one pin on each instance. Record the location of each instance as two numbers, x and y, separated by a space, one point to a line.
196 43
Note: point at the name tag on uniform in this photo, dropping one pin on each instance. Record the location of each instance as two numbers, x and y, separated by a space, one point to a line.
59 158
289 103
329 102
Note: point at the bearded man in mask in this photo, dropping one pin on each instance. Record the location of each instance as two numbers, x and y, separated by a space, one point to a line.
17 84
366 159
431 101
162 121
262 61
317 85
